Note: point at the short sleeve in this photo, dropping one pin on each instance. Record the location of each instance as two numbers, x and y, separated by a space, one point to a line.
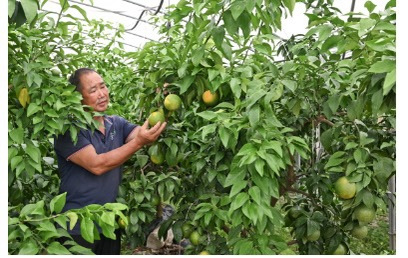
65 147
127 127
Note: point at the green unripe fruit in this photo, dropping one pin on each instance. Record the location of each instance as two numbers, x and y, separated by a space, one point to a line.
345 189
359 232
341 250
172 102
314 236
364 214
156 117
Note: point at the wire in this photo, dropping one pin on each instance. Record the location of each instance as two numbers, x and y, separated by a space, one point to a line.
115 12
144 6
141 15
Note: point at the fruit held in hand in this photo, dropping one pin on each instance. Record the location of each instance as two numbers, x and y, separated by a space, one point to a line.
156 117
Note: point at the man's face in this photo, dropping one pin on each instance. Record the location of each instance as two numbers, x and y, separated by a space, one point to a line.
94 92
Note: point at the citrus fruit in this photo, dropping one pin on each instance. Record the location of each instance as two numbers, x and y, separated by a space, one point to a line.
122 223
172 102
364 214
341 250
209 98
345 189
155 200
195 238
158 158
359 232
314 236
155 117
204 253
295 212
187 228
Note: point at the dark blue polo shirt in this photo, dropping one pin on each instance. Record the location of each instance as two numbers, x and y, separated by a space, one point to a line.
83 187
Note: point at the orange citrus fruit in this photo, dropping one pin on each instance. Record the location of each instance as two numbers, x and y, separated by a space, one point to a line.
209 98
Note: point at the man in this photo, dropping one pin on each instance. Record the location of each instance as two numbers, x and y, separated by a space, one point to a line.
90 170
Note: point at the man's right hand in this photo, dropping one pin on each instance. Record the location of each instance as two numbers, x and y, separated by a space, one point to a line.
145 135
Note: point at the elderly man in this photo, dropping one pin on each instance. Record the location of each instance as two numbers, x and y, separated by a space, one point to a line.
90 170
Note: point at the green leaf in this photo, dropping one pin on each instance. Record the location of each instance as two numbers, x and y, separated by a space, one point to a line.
58 202
335 159
87 229
32 109
226 50
370 6
244 22
47 226
238 201
334 102
364 25
115 206
235 87
377 100
33 152
57 248
218 36
230 23
30 8
237 187
62 221
248 148
291 85
29 247
11 7
224 136
389 82
384 66
185 83
290 4
331 42
15 161
259 166
234 176
81 11
253 115
17 135
326 138
255 194
237 7
73 218
197 56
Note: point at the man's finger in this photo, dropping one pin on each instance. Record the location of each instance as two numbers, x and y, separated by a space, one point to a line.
144 126
159 131
155 128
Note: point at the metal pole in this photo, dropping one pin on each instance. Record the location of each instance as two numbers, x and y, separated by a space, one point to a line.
391 213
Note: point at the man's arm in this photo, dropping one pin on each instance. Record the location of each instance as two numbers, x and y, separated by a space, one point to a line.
99 164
